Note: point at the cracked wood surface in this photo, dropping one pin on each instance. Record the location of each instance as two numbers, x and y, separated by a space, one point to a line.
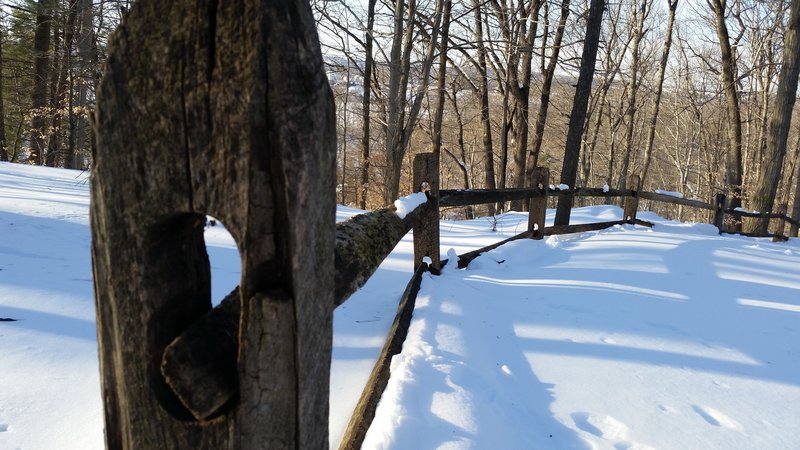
220 108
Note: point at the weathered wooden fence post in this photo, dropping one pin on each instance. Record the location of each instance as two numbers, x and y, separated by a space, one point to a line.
781 223
719 212
426 231
219 108
632 202
537 206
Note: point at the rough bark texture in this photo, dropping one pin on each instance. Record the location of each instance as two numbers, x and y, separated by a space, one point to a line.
769 177
217 108
41 73
441 82
520 89
483 93
3 152
728 76
794 230
402 113
365 106
577 118
363 242
631 203
539 178
719 212
197 363
547 81
426 230
672 5
211 379
638 14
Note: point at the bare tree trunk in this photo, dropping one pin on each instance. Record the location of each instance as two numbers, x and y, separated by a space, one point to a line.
769 177
85 76
640 15
41 75
544 98
60 84
662 68
3 152
469 211
728 74
611 68
399 126
483 93
577 118
396 99
365 108
441 85
521 90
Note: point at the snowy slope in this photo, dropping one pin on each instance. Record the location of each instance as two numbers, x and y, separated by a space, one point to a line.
49 383
671 338
627 338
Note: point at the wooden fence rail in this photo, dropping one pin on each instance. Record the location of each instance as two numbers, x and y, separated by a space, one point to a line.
426 223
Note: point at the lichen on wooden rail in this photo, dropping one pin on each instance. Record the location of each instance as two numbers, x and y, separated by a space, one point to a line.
363 242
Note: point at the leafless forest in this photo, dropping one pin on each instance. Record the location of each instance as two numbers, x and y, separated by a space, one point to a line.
687 94
694 96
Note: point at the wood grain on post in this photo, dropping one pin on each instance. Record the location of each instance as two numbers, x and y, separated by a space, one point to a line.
781 224
537 206
426 230
719 212
198 364
632 202
198 113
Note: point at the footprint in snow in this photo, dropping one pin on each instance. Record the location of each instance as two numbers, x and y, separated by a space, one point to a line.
632 446
667 409
721 384
608 428
716 418
3 427
600 425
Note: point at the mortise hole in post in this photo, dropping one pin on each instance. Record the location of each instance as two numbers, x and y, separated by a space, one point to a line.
424 187
178 275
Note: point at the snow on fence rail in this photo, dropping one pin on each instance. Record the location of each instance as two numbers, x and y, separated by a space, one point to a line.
426 244
362 243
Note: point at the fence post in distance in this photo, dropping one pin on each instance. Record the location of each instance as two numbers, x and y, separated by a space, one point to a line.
781 223
426 231
632 202
537 206
719 212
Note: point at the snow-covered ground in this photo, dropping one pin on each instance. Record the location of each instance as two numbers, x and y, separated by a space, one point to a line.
629 337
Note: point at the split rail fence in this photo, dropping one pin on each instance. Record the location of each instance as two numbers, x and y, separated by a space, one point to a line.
364 241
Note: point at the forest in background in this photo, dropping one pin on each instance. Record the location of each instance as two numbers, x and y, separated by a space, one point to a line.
52 57
682 93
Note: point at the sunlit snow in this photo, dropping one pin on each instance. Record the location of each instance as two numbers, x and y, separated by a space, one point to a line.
672 337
